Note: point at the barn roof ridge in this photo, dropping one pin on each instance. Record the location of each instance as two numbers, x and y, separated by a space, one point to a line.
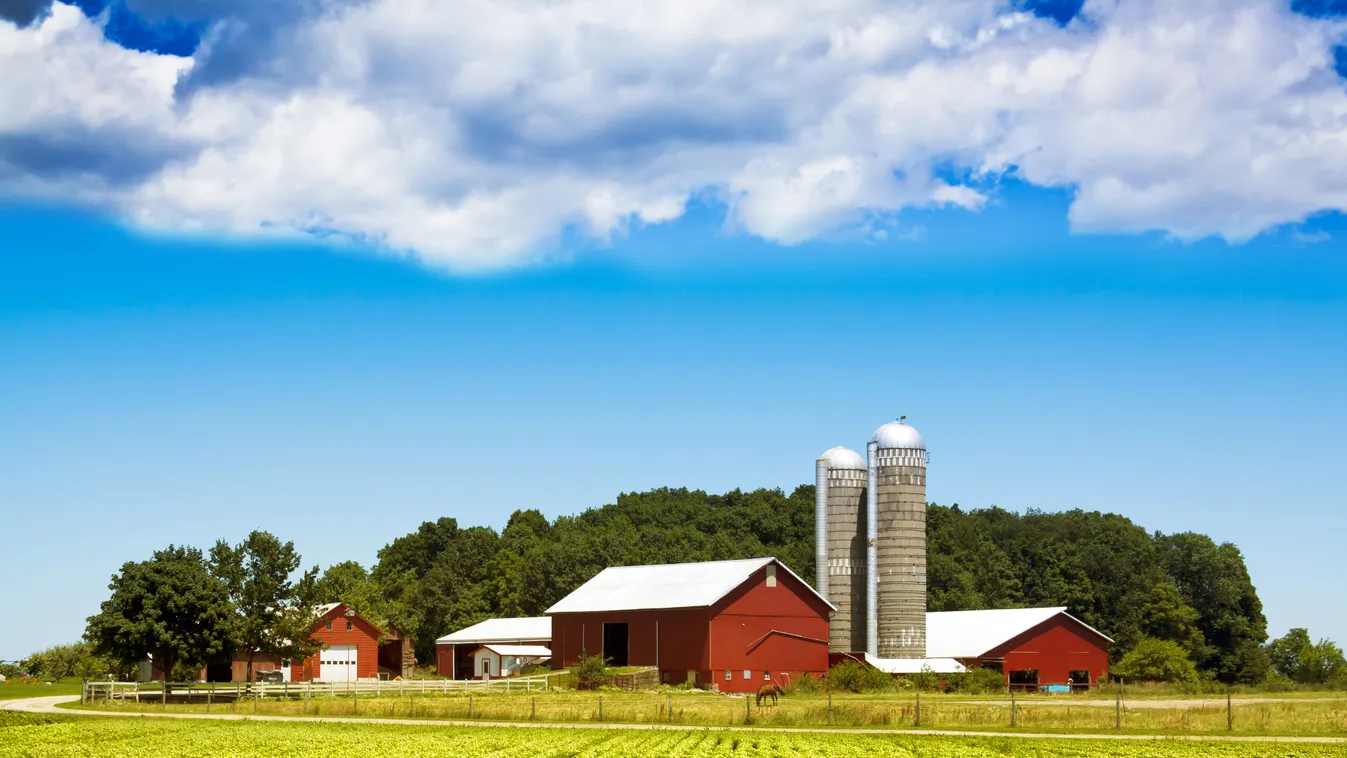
668 586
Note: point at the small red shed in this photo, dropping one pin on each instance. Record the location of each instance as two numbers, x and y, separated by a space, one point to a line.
732 625
351 652
1034 647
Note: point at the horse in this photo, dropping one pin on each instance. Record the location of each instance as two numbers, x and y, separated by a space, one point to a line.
769 690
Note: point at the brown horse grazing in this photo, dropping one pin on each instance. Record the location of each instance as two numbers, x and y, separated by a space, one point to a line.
769 690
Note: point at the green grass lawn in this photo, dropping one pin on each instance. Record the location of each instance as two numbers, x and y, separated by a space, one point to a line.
13 690
24 735
1250 717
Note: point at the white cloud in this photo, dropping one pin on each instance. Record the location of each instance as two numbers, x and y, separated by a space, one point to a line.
473 133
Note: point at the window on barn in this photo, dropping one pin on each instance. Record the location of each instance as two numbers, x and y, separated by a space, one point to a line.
728 675
767 676
350 625
771 575
1024 679
748 674
329 625
1079 680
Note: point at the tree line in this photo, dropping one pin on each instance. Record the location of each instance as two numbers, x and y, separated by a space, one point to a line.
1184 591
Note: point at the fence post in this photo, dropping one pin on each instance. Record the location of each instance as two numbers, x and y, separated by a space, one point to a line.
533 707
918 709
600 707
748 709
307 689
84 690
1013 721
470 705
830 707
210 695
1229 712
254 701
671 709
1117 711
411 709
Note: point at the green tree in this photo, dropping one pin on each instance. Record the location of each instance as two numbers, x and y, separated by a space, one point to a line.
1284 652
348 582
1153 660
1214 580
1319 663
275 613
170 608
58 661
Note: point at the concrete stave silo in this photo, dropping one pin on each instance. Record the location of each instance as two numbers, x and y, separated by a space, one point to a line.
840 480
896 544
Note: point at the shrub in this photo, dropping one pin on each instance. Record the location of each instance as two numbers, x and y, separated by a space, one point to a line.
924 680
806 684
976 681
1155 660
591 673
850 676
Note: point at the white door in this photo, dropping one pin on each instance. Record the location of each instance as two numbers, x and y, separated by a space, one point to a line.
337 664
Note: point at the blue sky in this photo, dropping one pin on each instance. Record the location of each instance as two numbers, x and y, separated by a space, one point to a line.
159 390
259 270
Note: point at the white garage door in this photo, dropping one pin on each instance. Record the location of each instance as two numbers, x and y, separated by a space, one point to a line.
337 664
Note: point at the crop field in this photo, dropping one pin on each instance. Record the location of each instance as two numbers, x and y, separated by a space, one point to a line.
28 735
1249 716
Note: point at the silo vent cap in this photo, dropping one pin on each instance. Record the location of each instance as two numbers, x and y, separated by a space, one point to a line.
896 434
844 458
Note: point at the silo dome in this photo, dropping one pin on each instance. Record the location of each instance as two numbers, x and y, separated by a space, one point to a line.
896 434
844 458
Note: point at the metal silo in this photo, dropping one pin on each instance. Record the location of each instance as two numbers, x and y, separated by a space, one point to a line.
840 543
896 575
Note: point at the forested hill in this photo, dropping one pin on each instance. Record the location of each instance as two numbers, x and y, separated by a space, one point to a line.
1108 571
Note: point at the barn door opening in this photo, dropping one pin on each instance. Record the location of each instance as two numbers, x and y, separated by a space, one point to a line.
615 644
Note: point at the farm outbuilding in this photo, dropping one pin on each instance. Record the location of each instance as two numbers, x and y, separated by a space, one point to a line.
454 653
495 661
731 625
353 649
1033 647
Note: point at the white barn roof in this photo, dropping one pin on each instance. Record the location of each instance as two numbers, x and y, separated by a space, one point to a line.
969 634
674 585
915 665
521 651
531 629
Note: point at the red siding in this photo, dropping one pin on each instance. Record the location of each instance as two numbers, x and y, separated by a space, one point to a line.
781 629
364 635
1055 648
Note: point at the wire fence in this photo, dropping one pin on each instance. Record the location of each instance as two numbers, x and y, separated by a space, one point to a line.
524 700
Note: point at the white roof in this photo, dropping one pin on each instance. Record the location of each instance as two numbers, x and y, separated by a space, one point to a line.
531 629
896 434
522 651
843 458
969 634
324 609
914 665
674 585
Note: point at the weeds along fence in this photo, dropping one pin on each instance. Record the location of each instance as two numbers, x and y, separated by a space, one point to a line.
525 700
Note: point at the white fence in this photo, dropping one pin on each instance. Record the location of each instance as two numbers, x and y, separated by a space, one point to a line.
207 691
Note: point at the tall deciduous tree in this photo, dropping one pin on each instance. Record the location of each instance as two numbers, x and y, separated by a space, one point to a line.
275 613
169 608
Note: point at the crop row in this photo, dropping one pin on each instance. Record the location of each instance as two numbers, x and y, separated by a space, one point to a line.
148 738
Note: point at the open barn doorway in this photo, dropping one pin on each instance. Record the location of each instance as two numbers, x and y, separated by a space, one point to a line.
615 637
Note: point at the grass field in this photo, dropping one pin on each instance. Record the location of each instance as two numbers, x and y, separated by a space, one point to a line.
1250 716
15 690
25 735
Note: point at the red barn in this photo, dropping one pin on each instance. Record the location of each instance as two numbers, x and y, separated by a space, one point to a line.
1034 647
729 624
351 649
